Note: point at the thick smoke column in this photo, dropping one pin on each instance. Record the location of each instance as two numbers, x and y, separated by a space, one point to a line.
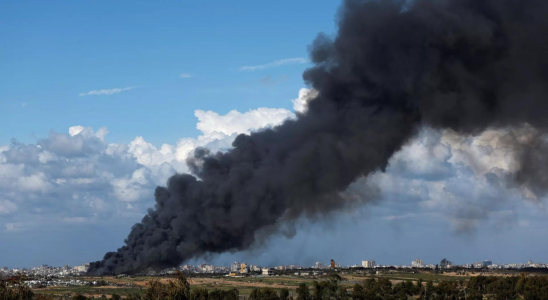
466 65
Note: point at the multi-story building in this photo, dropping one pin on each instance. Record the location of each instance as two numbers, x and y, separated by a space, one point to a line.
82 268
244 269
368 264
267 272
486 263
417 263
235 267
319 265
254 268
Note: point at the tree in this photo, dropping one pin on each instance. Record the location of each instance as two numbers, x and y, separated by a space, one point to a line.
418 290
173 290
199 294
284 294
302 292
134 296
429 289
254 295
342 293
358 292
15 290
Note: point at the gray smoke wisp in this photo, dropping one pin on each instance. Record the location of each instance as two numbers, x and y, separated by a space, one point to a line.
464 65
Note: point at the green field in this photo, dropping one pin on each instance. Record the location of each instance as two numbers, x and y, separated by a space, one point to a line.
245 284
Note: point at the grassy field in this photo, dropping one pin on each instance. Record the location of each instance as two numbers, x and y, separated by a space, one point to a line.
245 284
436 278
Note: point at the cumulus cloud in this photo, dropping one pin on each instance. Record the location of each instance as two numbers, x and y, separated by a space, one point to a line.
462 180
236 122
218 133
80 178
185 75
277 63
301 103
106 91
74 130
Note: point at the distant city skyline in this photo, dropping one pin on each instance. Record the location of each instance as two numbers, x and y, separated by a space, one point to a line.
245 268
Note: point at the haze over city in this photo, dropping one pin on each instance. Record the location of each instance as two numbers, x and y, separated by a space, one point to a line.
100 106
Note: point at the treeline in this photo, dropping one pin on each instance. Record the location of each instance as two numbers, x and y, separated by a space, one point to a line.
477 288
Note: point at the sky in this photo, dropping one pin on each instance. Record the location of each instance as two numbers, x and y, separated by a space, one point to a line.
102 102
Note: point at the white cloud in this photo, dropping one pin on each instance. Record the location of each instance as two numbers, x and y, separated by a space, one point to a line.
236 122
146 154
79 177
35 183
300 104
493 148
74 130
46 156
106 91
278 63
218 133
24 105
440 174
132 188
9 171
185 75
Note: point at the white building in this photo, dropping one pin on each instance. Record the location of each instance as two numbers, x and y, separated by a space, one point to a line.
267 272
83 268
209 268
235 267
368 264
319 265
417 263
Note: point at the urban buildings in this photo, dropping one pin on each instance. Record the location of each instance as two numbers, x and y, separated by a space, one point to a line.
368 264
244 269
417 263
82 268
235 267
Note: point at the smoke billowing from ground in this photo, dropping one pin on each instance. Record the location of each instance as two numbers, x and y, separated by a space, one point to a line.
464 65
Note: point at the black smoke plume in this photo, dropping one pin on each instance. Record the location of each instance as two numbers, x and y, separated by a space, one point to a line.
394 66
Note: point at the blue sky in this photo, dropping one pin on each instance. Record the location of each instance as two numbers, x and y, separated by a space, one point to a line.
180 70
52 51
